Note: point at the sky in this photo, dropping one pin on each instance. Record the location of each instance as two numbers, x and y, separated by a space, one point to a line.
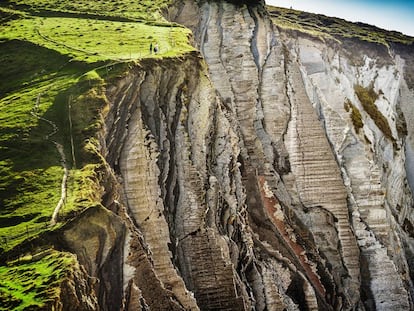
388 14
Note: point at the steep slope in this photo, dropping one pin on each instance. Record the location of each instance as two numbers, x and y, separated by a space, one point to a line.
345 185
269 168
372 157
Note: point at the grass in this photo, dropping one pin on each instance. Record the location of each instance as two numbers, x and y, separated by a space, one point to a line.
33 284
91 40
30 168
30 171
149 10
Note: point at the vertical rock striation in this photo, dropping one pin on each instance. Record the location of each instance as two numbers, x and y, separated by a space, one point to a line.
320 188
372 164
248 54
237 179
286 96
169 116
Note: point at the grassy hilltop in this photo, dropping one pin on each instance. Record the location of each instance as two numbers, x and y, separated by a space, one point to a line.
56 57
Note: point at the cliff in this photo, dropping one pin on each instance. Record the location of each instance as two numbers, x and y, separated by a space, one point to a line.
268 168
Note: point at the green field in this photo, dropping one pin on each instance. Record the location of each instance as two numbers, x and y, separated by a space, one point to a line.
127 9
91 40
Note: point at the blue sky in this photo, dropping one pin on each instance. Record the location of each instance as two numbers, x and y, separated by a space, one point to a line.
387 14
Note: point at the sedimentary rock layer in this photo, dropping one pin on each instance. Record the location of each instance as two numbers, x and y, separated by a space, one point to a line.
239 181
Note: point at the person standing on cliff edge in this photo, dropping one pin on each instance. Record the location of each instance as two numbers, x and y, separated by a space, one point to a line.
151 48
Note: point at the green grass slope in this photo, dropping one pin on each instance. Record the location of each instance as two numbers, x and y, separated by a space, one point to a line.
32 283
146 10
92 40
56 58
49 68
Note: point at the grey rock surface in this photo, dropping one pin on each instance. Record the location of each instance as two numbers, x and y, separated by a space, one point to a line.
241 182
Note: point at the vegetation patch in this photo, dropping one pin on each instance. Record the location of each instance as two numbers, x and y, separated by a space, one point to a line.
367 96
91 41
149 10
355 115
32 282
31 169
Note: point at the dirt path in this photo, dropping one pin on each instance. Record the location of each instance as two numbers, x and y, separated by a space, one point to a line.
63 192
61 152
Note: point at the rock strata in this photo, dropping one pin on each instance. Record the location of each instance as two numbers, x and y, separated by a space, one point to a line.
237 180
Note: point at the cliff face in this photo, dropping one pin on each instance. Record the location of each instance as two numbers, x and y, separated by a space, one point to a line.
175 136
372 162
271 172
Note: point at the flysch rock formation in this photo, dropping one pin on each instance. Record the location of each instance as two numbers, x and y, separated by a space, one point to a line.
237 180
372 168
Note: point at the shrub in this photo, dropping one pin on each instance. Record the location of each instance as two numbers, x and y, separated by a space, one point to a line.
355 115
367 96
